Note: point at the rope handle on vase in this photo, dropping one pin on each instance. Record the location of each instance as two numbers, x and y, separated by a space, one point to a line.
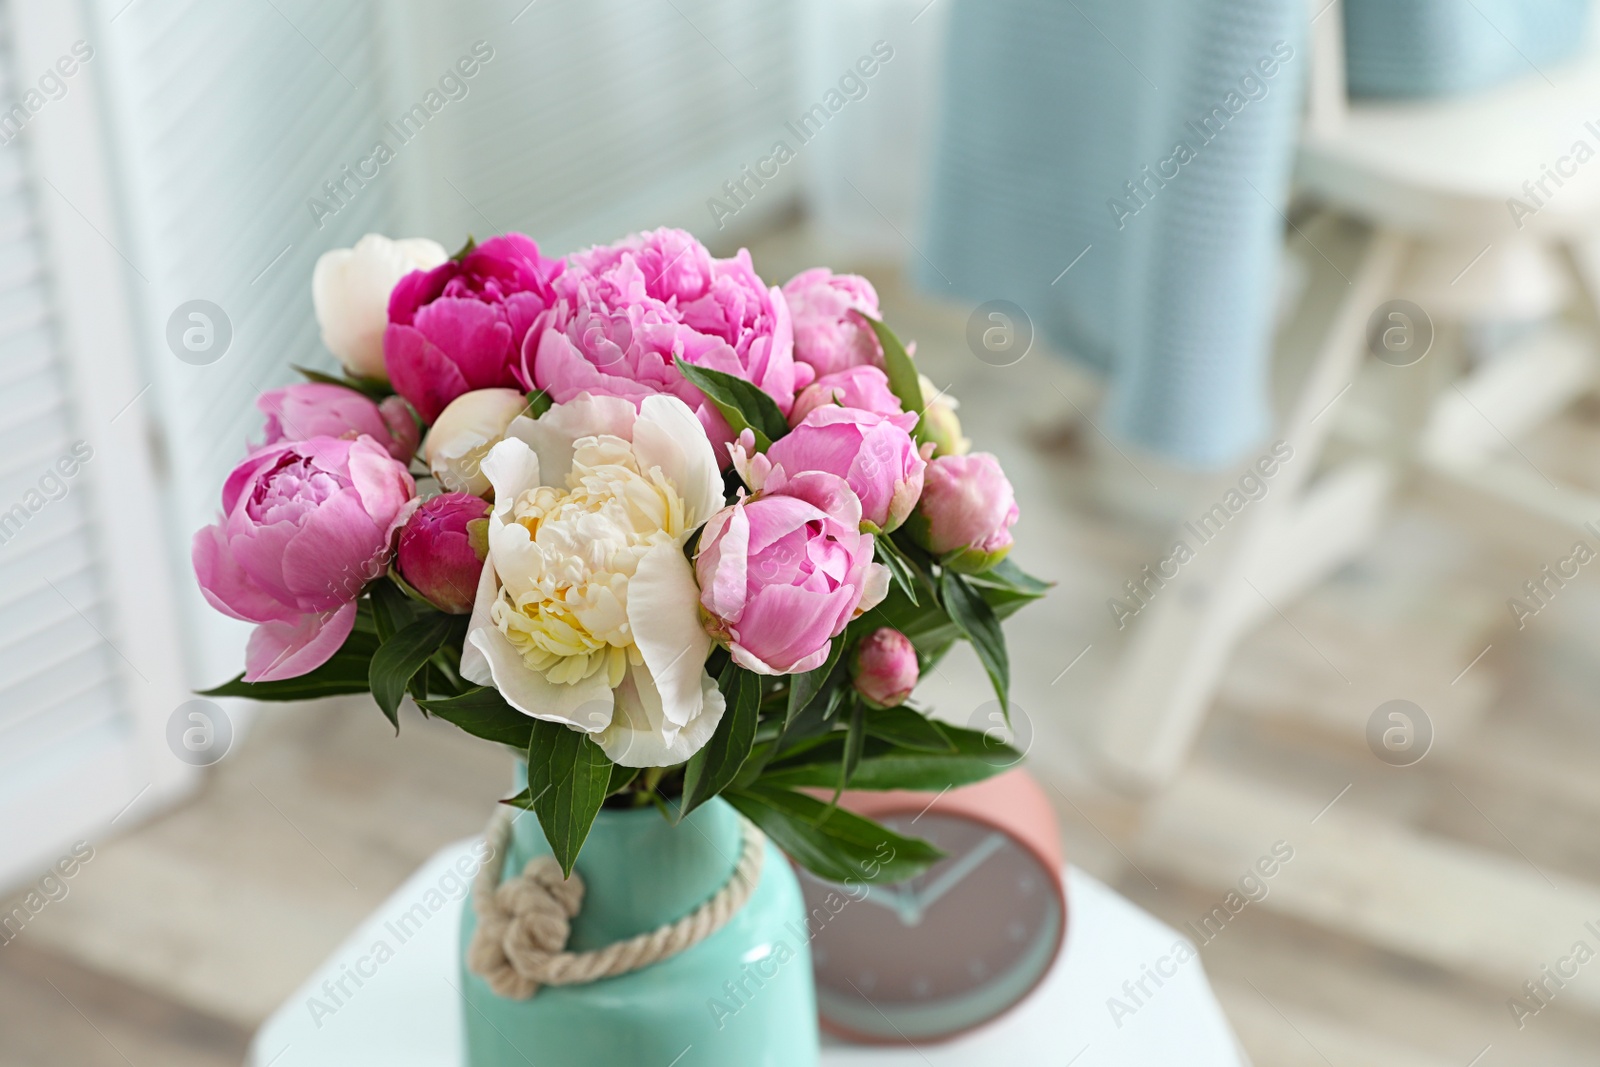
524 922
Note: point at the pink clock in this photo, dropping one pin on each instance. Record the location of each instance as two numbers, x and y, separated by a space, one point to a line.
961 943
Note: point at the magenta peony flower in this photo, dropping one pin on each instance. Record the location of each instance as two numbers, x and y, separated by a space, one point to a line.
873 453
461 325
966 512
861 387
782 573
305 410
626 310
829 333
305 526
442 549
885 667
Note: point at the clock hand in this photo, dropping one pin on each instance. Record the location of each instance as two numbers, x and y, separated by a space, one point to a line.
952 875
885 897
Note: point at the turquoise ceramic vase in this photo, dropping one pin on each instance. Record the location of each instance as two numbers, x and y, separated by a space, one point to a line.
741 998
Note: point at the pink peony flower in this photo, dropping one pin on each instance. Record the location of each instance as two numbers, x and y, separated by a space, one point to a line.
305 526
861 387
461 325
885 667
441 551
966 512
626 310
873 453
305 410
782 573
829 333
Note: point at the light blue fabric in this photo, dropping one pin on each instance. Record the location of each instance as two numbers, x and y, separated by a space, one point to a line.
1053 110
1435 47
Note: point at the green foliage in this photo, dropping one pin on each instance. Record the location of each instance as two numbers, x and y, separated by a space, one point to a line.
831 842
715 766
568 779
376 388
904 381
743 404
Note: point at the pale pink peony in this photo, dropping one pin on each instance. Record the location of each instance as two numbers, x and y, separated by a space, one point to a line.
874 454
626 310
305 526
782 573
861 387
305 410
966 512
829 332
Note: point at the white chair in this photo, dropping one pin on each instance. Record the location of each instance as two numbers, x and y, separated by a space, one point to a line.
1440 187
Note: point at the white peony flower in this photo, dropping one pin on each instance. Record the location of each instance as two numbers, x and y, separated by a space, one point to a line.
350 290
588 612
462 435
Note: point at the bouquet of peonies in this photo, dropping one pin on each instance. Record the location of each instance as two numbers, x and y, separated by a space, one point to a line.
669 533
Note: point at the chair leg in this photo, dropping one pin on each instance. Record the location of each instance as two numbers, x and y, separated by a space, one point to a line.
1164 683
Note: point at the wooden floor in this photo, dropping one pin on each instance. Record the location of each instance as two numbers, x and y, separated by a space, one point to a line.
1418 901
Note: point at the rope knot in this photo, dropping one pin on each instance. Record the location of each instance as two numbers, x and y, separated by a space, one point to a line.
524 922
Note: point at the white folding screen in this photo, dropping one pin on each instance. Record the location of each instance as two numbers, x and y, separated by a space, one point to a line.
89 656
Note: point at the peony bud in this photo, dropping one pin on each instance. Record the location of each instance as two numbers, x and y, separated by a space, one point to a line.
966 512
866 388
442 549
939 422
873 453
466 429
305 410
350 290
885 667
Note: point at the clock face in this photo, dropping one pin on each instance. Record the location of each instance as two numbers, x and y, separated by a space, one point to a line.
942 952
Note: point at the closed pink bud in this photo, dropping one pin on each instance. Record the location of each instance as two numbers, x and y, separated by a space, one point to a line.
873 453
442 548
866 388
885 667
966 512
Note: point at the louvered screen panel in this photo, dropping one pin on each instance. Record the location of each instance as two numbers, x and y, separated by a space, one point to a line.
58 683
601 117
229 116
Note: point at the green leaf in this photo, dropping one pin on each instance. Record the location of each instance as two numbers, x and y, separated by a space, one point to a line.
568 777
743 404
484 713
376 388
830 842
539 402
855 740
904 382
1007 575
972 757
465 250
392 610
977 621
803 688
715 766
900 569
345 672
403 655
621 778
907 728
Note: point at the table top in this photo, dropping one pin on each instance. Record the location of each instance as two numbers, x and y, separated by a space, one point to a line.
407 1014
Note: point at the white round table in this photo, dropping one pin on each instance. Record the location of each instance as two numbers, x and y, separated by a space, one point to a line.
406 1014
